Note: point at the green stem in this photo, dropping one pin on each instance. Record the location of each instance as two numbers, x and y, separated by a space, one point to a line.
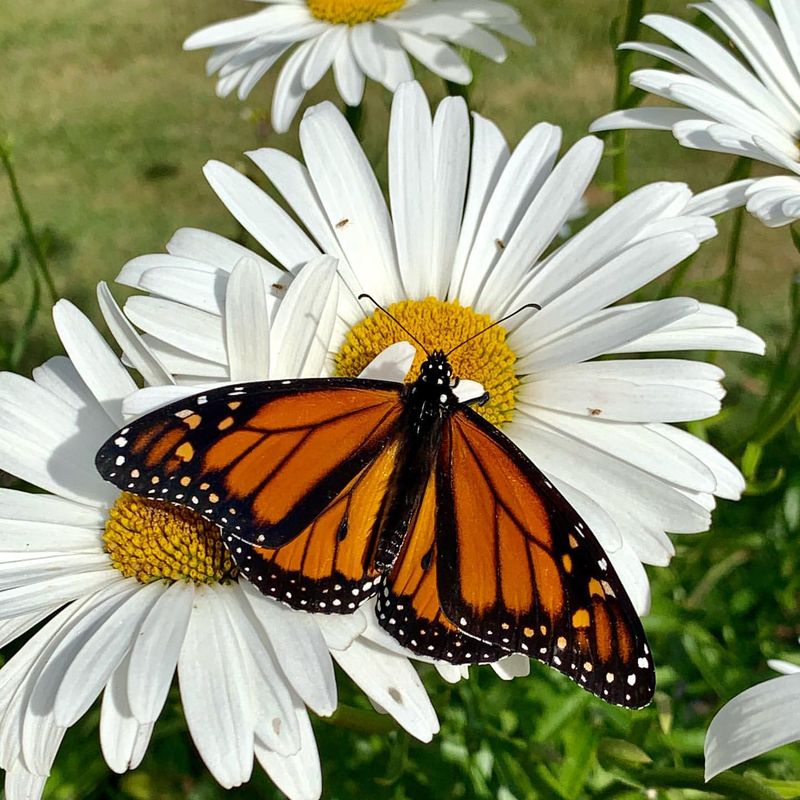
623 96
778 416
786 412
355 117
729 784
355 719
25 219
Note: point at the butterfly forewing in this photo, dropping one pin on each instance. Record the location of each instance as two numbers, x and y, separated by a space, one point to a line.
261 460
518 568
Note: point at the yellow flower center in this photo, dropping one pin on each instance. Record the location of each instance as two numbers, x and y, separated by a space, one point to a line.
353 12
151 541
440 325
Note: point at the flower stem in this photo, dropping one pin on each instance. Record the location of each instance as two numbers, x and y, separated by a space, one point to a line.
741 170
729 784
355 719
25 219
623 96
355 118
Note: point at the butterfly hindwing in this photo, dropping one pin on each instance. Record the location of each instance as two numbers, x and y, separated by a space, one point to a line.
408 604
327 568
261 460
520 569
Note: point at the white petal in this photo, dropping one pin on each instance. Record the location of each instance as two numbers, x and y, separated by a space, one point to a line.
133 346
391 364
606 332
215 250
122 739
213 687
390 681
49 594
298 329
247 329
348 75
100 369
438 57
19 505
149 399
627 272
513 666
292 180
730 483
411 169
300 649
353 201
758 720
643 446
341 630
40 735
289 88
542 221
522 177
720 198
155 651
197 332
452 167
101 654
298 776
23 785
259 214
273 701
487 163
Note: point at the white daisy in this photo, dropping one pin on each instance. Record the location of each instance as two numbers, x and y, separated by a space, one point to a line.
466 242
359 38
756 721
132 590
749 109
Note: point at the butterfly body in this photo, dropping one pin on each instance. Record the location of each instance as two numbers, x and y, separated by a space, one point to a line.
332 491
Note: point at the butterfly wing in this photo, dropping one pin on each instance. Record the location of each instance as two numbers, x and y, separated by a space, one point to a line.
409 607
293 472
518 568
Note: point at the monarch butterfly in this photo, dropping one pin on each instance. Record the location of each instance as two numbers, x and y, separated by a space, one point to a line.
330 491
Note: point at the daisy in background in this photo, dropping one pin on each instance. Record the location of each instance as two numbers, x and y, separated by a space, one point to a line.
359 39
756 721
130 591
465 239
747 105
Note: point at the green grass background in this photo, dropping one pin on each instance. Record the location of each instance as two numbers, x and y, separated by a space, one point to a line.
111 123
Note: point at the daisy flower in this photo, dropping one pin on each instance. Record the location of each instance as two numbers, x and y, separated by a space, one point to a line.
756 721
466 238
359 38
130 591
747 106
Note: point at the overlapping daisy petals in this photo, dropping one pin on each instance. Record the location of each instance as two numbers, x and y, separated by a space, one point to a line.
474 221
747 109
244 696
245 49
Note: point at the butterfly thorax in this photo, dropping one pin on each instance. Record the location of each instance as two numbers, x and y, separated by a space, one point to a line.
427 402
431 397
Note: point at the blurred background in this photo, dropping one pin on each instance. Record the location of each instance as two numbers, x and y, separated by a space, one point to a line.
109 124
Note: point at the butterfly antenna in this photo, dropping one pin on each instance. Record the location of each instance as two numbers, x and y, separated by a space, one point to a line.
494 325
394 319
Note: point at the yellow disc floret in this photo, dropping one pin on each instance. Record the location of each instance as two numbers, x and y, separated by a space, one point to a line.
440 325
352 12
150 541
